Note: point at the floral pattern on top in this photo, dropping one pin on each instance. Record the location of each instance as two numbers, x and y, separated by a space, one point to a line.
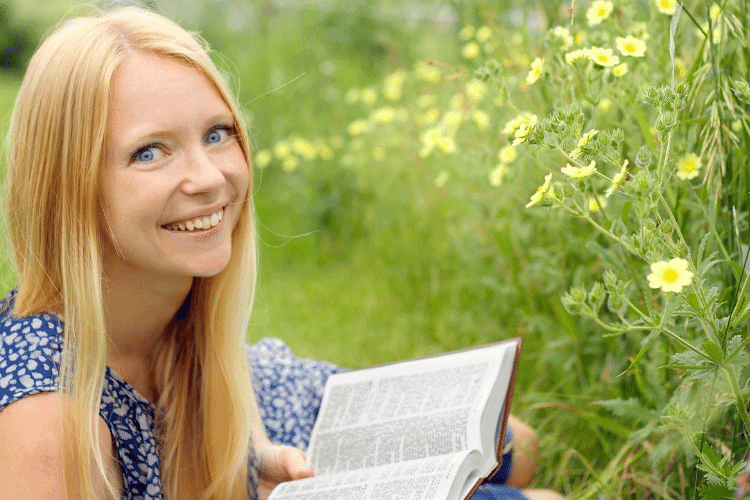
30 350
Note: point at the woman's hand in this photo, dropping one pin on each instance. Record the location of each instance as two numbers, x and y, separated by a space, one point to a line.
278 464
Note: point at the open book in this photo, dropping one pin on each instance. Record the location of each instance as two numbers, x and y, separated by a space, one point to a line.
429 429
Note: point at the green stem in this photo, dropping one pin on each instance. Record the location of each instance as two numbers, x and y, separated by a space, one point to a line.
663 157
611 235
685 343
738 401
740 298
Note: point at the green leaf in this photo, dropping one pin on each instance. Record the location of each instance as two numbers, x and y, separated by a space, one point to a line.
713 351
715 492
646 344
629 409
607 424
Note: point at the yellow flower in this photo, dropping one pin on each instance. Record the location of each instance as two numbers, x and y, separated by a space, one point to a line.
446 144
476 90
386 114
497 174
598 12
456 101
263 158
466 33
507 154
435 137
537 67
369 96
304 148
630 46
688 166
542 192
596 204
392 85
579 172
667 7
427 72
523 132
481 119
483 34
670 276
470 50
352 96
679 66
563 34
425 100
453 118
513 125
326 152
441 179
617 180
290 163
282 149
620 70
576 55
584 140
603 57
358 127
428 117
605 104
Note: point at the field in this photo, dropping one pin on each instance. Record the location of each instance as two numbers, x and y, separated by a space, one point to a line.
432 176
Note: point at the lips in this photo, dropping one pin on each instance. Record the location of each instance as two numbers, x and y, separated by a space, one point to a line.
200 223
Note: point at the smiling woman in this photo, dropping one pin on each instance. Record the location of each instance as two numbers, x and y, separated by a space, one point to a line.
122 361
172 158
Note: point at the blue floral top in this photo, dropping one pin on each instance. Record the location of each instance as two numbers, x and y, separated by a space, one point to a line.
288 390
30 350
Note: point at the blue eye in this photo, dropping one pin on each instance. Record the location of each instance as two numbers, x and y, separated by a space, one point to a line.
147 154
219 134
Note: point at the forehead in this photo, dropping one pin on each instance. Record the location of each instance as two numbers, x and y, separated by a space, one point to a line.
149 90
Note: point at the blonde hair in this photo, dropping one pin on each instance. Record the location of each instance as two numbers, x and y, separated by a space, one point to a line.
56 153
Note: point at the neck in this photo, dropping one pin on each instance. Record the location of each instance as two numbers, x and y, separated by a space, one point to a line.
137 316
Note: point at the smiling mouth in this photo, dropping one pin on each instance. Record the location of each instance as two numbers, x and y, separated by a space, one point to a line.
198 223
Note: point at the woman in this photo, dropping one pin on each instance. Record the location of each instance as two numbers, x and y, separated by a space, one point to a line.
131 225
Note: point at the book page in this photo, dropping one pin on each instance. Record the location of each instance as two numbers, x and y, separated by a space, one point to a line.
426 479
406 410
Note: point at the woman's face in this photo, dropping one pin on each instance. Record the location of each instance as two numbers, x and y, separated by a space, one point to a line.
175 177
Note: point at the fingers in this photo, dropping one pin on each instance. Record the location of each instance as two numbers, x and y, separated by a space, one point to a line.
284 463
296 463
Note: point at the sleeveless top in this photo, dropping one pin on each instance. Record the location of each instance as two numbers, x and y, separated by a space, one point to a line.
30 351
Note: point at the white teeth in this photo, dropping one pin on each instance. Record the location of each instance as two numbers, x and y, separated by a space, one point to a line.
205 222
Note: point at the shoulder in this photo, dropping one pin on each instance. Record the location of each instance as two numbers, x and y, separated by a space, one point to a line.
30 349
31 458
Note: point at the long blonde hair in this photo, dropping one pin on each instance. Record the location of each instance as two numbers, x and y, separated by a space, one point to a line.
55 157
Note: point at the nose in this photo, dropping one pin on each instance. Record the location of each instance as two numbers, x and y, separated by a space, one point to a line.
202 174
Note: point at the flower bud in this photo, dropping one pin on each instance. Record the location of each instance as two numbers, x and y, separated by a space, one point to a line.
643 160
